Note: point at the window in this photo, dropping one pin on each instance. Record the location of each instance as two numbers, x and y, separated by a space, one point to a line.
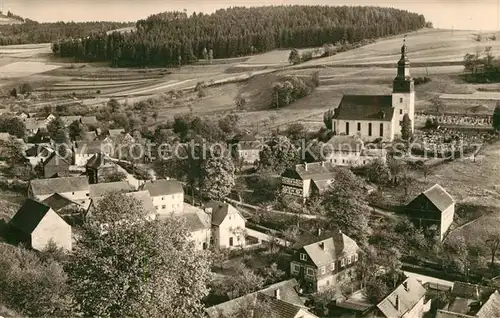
303 257
230 241
163 206
342 262
381 130
349 260
327 283
347 128
87 194
401 99
401 112
296 268
356 257
343 161
310 271
204 246
72 193
333 266
163 198
359 126
322 269
335 160
369 129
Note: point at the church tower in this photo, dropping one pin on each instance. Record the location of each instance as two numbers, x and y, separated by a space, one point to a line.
403 92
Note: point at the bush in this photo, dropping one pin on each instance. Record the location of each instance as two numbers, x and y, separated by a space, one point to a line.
422 80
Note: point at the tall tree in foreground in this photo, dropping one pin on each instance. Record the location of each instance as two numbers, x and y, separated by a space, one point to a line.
346 204
496 117
406 127
124 266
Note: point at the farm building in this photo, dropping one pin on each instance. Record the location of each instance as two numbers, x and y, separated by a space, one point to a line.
433 207
308 178
75 189
54 166
36 224
168 195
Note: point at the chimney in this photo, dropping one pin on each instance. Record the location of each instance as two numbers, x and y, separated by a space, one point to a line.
405 285
398 303
277 294
305 166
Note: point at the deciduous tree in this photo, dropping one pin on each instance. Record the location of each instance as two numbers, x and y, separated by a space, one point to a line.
125 266
217 177
278 154
406 127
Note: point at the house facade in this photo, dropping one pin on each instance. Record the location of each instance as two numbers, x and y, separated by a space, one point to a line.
83 151
75 189
433 207
372 117
228 225
36 225
167 195
305 179
247 149
198 223
325 262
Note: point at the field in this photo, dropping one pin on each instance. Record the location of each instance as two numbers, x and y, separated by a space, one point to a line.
366 70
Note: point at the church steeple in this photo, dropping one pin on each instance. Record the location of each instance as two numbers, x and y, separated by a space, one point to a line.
403 81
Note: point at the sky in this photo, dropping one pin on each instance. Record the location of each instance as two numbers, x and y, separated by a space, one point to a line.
456 14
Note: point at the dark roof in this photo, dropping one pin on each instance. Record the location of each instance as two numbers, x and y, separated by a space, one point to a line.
287 291
408 294
163 187
439 197
59 185
57 202
471 291
365 107
99 189
326 251
29 216
98 160
59 160
315 170
220 210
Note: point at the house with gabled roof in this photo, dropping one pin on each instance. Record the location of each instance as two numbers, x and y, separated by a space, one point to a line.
36 225
62 205
84 150
142 197
305 179
378 116
75 189
167 194
246 148
322 261
99 166
281 299
407 300
228 225
198 223
433 207
54 166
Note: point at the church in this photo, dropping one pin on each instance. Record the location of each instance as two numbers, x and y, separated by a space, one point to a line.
378 116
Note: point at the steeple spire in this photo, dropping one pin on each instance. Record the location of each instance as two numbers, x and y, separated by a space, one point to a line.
403 63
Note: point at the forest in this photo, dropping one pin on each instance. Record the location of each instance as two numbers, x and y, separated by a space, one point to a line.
34 32
174 38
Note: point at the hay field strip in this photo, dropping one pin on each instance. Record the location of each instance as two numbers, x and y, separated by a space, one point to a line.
23 69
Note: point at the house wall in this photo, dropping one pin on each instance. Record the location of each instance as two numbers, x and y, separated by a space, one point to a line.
418 310
51 227
56 165
200 237
249 156
351 159
363 133
446 219
292 186
233 226
304 314
167 204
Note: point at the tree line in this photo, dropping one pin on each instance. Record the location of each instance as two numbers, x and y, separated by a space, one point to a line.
172 38
34 32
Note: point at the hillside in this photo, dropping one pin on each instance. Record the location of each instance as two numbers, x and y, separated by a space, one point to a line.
163 39
15 30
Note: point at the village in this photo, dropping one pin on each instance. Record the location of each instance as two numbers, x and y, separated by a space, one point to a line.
379 204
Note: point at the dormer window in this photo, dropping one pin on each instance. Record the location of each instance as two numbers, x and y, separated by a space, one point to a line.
342 262
333 266
356 257
401 112
401 99
349 260
303 257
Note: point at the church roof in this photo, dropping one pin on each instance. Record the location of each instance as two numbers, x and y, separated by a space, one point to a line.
365 107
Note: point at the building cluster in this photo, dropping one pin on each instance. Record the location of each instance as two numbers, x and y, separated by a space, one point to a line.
51 202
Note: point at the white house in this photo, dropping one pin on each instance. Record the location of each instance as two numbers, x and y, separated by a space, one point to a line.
197 222
228 225
378 116
75 189
351 151
168 195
